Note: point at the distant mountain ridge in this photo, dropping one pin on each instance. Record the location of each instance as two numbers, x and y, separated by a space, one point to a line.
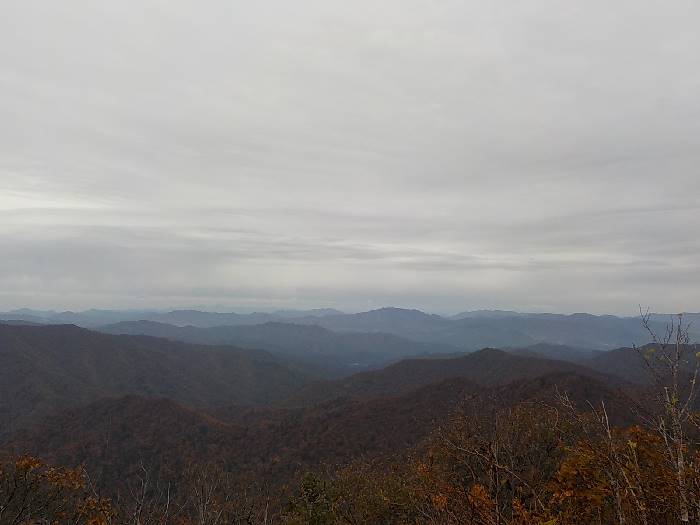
96 317
466 331
553 351
472 333
487 314
336 353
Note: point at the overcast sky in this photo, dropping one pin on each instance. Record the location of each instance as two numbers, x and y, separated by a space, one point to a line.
444 155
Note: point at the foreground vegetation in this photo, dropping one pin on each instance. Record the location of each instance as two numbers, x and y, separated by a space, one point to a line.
526 465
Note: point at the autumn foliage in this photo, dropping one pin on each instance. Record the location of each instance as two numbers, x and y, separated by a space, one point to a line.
531 470
32 492
530 464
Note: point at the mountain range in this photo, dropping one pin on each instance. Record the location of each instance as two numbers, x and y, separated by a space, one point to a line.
117 402
466 331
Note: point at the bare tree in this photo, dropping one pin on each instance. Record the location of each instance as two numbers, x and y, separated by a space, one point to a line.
674 366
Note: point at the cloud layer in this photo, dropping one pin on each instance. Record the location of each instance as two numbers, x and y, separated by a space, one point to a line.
445 155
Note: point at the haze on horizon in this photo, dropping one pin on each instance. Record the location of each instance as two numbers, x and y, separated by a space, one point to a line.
535 156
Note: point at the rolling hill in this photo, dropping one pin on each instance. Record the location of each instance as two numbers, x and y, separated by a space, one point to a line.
45 368
115 437
488 367
628 363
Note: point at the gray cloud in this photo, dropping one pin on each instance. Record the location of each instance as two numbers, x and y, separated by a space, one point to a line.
444 155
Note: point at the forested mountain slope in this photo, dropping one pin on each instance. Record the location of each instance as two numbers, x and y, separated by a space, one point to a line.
117 437
44 368
488 367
